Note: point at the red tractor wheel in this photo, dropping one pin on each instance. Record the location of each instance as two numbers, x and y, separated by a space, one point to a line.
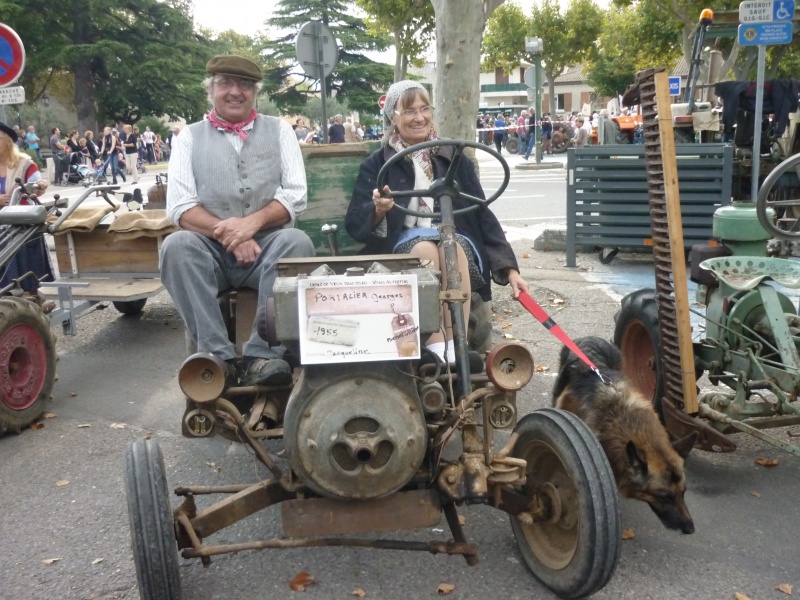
27 363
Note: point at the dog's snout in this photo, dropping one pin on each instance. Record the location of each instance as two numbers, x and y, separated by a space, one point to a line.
688 527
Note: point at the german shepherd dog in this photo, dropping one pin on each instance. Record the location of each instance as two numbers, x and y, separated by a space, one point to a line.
646 465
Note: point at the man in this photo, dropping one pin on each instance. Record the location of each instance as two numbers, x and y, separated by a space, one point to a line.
522 132
33 142
349 131
236 186
149 139
336 131
59 156
581 136
531 131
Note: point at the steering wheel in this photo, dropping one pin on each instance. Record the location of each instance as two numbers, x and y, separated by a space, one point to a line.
446 185
784 208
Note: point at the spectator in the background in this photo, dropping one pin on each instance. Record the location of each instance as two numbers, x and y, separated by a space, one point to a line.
131 147
59 154
499 129
149 139
349 131
581 137
33 142
91 146
300 130
336 131
522 132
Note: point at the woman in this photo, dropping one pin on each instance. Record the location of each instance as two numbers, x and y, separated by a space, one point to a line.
34 255
484 254
132 152
499 131
91 147
109 151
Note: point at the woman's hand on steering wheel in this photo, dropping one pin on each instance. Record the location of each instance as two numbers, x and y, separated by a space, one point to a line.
517 283
382 204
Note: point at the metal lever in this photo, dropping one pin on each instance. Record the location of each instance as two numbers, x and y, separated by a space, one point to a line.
330 232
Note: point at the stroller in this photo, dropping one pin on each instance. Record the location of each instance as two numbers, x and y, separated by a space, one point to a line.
79 172
140 164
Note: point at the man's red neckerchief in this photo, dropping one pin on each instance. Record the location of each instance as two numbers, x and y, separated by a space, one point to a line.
237 128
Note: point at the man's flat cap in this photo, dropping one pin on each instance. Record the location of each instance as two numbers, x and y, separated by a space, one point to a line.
230 64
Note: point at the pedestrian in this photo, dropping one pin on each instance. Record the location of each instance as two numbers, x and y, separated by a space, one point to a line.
480 127
499 129
33 142
336 133
109 152
149 139
484 254
531 133
57 149
580 137
131 152
237 184
91 147
349 131
522 132
171 139
547 135
300 131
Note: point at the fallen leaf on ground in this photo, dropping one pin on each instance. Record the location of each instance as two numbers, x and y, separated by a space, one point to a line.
50 561
628 534
358 593
526 255
767 462
445 588
541 368
508 336
507 326
117 426
73 394
505 310
739 596
49 415
792 433
462 520
38 425
83 425
756 494
97 560
301 581
786 588
62 482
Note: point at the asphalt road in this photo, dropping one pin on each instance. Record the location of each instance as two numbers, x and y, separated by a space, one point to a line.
117 382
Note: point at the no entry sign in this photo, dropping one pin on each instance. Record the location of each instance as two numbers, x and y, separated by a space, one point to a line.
382 101
12 55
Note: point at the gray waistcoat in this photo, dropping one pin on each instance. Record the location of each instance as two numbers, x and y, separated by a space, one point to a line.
231 184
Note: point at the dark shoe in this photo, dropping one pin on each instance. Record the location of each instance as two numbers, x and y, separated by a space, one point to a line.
232 373
123 177
265 371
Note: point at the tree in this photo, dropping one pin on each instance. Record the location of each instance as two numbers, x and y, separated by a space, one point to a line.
459 29
355 78
631 39
410 23
504 39
568 38
125 58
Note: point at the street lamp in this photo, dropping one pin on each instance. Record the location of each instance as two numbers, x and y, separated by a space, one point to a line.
535 46
45 99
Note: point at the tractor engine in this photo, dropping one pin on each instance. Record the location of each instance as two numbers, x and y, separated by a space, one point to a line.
355 431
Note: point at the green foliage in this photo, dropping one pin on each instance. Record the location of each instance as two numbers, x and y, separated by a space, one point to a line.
122 59
313 109
355 78
504 39
632 39
410 23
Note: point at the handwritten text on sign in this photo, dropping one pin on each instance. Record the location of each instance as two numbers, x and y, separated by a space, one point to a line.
355 319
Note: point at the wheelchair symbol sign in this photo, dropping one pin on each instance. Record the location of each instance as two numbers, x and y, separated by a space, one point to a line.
782 10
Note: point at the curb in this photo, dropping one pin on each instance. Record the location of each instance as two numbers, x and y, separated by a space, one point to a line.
538 167
551 240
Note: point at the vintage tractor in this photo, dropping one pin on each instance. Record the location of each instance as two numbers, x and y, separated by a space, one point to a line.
748 344
366 426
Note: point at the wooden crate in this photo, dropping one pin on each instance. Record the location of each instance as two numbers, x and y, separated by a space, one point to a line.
97 254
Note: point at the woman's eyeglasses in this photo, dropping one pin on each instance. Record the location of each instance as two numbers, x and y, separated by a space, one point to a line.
226 83
410 113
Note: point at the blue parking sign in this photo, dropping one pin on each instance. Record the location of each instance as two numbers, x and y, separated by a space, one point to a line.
674 86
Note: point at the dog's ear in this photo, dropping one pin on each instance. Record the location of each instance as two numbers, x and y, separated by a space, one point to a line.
684 445
636 458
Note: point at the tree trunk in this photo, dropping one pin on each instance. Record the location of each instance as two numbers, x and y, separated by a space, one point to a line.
399 73
551 88
459 29
84 83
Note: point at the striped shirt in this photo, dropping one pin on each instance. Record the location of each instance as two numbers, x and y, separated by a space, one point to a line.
182 189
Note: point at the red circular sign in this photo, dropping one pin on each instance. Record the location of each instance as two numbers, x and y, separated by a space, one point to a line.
12 55
382 101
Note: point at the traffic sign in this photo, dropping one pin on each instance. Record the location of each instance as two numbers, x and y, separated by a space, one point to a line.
12 95
382 101
12 55
674 86
316 49
766 34
764 11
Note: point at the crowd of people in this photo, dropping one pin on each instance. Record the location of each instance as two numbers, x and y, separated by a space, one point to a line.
122 152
